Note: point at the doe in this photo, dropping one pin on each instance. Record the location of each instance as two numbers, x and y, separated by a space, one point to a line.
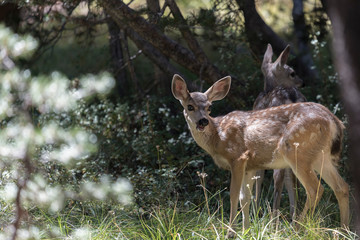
280 87
303 136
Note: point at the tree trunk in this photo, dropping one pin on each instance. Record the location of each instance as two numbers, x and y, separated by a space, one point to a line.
159 47
151 52
121 13
259 34
117 58
186 33
130 65
161 78
301 33
345 19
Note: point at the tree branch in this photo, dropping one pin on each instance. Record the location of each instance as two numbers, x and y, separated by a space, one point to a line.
161 77
260 34
117 57
186 33
131 69
151 52
121 14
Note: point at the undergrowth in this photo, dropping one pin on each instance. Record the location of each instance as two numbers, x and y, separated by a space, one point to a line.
103 220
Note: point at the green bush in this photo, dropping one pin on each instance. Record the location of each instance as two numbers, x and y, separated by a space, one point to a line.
147 143
37 145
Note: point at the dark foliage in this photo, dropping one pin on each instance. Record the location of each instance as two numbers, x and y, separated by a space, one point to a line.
144 137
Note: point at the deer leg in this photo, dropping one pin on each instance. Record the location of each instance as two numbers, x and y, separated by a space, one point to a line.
245 197
290 185
278 176
258 183
339 186
235 184
314 189
237 175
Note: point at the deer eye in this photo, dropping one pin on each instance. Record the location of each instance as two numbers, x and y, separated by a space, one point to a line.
292 74
190 107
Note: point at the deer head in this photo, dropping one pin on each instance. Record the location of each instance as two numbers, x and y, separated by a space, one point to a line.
278 73
197 105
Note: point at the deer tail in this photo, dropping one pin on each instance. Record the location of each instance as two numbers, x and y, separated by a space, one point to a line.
337 141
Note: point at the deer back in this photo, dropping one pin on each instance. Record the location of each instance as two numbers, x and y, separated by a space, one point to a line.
278 96
267 134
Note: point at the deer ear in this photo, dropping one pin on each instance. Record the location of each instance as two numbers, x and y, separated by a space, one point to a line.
284 56
268 54
267 57
179 88
219 89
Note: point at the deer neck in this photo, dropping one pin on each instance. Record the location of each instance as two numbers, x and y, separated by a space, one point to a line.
222 138
269 83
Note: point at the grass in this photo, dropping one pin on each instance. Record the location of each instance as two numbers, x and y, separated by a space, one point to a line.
102 221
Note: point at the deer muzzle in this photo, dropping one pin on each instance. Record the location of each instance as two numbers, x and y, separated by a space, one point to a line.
202 124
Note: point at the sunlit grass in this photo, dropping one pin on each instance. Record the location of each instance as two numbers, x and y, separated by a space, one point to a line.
99 221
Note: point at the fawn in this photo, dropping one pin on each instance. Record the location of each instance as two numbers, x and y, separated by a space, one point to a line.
303 136
280 87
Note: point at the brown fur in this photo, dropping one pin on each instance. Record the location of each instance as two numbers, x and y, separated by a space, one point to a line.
243 142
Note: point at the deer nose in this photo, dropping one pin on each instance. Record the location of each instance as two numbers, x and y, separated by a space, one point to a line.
300 83
203 122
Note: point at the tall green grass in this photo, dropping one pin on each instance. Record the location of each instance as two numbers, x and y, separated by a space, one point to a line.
104 221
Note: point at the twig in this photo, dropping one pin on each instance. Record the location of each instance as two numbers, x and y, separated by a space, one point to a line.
202 177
